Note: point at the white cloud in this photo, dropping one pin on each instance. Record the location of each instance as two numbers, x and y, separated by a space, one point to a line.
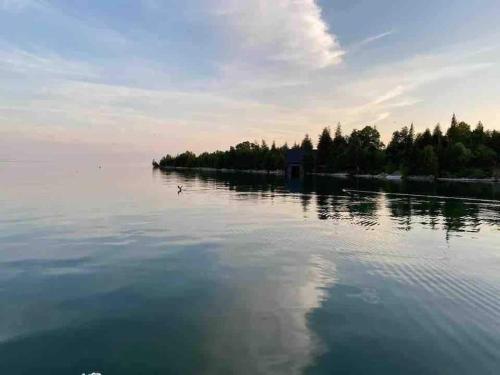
274 81
290 32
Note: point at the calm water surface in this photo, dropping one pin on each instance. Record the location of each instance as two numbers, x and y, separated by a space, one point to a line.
111 270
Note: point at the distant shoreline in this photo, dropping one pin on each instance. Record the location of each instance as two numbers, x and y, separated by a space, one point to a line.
224 170
385 177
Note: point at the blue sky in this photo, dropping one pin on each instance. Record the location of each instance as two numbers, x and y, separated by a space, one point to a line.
157 76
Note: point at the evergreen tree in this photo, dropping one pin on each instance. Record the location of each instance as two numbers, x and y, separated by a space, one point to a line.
339 150
459 152
478 135
325 150
307 148
424 139
306 144
411 137
459 132
437 137
454 122
339 139
400 150
427 161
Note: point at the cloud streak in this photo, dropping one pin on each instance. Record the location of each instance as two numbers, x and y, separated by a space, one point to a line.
374 38
27 63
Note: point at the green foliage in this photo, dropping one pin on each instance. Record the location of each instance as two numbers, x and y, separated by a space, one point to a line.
308 149
459 155
485 157
459 133
365 151
400 149
427 161
339 151
245 155
324 158
460 152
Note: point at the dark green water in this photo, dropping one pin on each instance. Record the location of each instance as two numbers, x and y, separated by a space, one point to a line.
111 270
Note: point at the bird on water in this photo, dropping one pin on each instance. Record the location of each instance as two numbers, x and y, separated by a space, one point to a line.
180 189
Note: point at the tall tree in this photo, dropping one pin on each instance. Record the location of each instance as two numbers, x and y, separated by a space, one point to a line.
437 136
365 151
461 152
306 144
453 121
459 132
339 150
325 149
478 135
307 149
400 150
424 139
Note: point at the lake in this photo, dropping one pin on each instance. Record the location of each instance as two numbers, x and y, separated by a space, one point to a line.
111 270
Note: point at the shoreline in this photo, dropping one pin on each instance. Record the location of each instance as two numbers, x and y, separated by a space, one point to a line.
382 176
224 170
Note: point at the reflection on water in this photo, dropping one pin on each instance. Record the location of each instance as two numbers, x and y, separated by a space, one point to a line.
408 204
111 270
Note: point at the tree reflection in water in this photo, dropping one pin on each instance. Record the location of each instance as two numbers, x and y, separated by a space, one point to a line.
326 196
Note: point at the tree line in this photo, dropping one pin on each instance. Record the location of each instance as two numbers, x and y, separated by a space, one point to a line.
460 151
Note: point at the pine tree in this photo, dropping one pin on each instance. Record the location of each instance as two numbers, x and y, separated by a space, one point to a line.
325 148
306 144
307 148
339 139
339 150
461 152
411 136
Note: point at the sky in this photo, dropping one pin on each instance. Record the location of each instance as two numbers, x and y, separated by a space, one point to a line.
150 77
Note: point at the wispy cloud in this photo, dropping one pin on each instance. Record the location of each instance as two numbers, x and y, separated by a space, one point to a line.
382 116
374 38
368 40
391 94
71 107
23 62
272 69
387 88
